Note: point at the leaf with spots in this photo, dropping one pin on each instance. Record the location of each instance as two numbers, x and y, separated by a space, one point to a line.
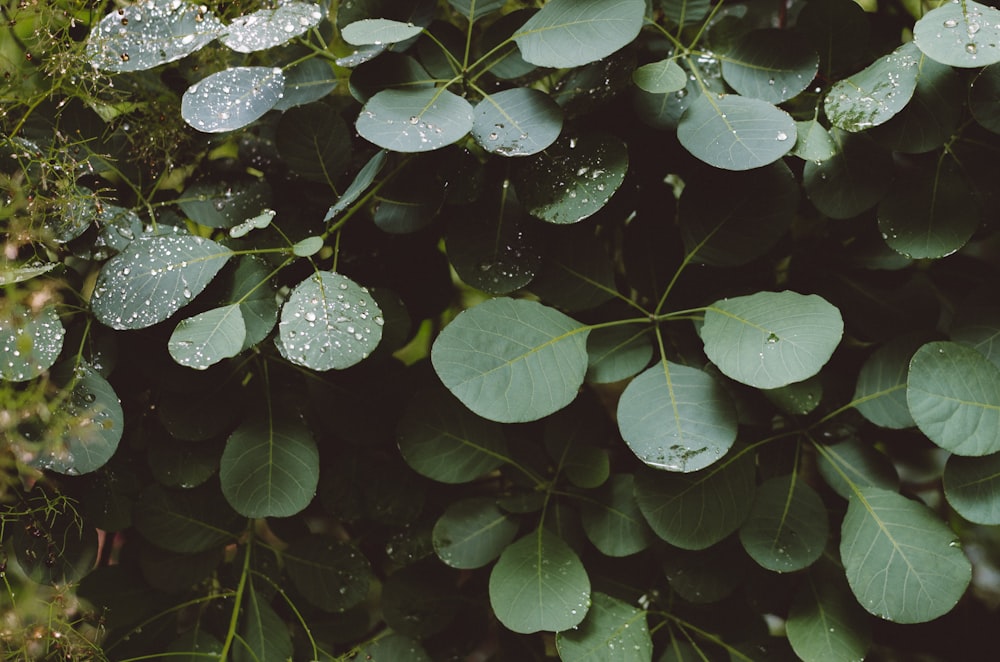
329 322
963 35
203 340
613 630
30 341
517 122
267 28
734 132
415 120
154 277
232 98
873 96
378 31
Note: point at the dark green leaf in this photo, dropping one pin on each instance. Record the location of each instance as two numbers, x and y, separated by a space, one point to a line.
772 65
855 464
880 394
415 120
361 182
852 180
613 631
799 398
613 522
872 96
972 487
250 287
838 30
787 527
517 122
314 142
186 521
31 341
472 532
931 117
330 574
961 35
978 326
570 33
232 98
264 635
394 647
902 562
203 340
617 352
307 81
984 94
539 584
419 600
825 623
267 28
736 133
577 273
512 360
476 9
222 204
574 439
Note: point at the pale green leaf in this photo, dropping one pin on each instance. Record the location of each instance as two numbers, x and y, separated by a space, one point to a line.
613 631
734 132
880 394
787 527
961 35
613 521
660 77
902 562
539 584
517 122
972 487
813 142
201 341
770 64
571 33
512 360
267 28
415 120
30 341
770 339
232 98
359 185
378 31
308 247
11 273
874 95
472 532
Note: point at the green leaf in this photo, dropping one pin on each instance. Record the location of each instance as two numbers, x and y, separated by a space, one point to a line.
953 393
660 77
359 185
267 28
880 394
613 631
539 584
250 287
146 35
825 623
394 647
572 179
232 98
798 398
771 339
733 132
855 464
264 635
31 341
902 562
84 433
874 95
575 438
961 35
331 574
977 325
201 341
984 92
708 575
305 82
972 487
813 142
420 599
677 418
517 122
153 278
697 510
787 527
270 468
617 352
613 521
851 181
770 64
193 646
441 439
570 33
931 117
685 12
308 247
476 9
329 322
314 142
18 273
176 463
186 521
512 360
224 204
929 212
472 532
838 30
577 273
415 120
378 31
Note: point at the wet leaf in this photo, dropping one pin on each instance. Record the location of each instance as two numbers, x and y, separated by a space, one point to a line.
378 31
472 532
770 64
307 81
735 132
359 185
267 28
331 574
30 341
570 33
232 98
203 340
224 204
874 95
612 630
10 274
415 120
961 35
517 122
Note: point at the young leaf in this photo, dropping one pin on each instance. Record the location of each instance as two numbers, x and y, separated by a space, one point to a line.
612 630
267 28
880 393
232 98
361 182
146 35
961 35
378 31
441 439
31 341
902 562
472 532
538 584
873 96
677 418
329 322
512 360
613 521
153 278
735 133
571 33
787 527
203 340
695 511
660 77
264 634
517 122
825 623
329 573
771 65
972 487
771 339
307 247
953 393
415 120
270 468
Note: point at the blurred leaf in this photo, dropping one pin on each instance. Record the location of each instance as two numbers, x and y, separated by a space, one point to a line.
186 521
31 341
331 574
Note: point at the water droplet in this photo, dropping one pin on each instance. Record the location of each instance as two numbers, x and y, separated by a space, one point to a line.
950 23
971 48
782 135
310 316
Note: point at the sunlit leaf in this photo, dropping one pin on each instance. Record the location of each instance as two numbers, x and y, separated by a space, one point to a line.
512 360
872 96
31 341
787 527
612 631
770 64
472 532
232 98
902 562
415 120
733 132
538 584
770 339
517 122
267 28
961 35
570 33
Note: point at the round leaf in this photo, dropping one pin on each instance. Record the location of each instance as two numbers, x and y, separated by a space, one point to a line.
902 562
734 132
308 247
931 117
772 65
415 120
270 468
612 630
378 31
787 527
978 326
153 278
517 122
570 33
203 340
443 440
267 28
539 584
953 393
972 487
31 341
512 360
872 96
962 35
329 322
232 98
307 81
472 532
880 393
813 142
677 418
617 352
613 521
660 77
771 339
331 574
573 179
852 180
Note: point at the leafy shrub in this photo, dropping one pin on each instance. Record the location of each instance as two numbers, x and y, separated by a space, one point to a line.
427 330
